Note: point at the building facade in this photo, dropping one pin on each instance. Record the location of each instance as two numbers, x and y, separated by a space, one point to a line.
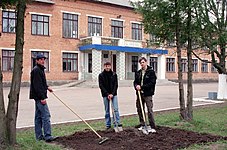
77 37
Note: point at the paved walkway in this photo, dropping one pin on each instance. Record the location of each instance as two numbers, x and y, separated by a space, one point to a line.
87 102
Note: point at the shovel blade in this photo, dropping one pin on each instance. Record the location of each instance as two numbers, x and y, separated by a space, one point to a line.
118 129
145 131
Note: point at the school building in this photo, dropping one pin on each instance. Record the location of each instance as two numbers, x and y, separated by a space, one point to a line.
78 36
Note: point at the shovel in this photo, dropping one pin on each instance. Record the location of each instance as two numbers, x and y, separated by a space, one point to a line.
116 127
145 128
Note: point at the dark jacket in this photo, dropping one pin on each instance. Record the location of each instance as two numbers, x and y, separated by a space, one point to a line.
38 86
149 81
108 85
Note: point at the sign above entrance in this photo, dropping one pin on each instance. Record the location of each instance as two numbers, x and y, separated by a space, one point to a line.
123 49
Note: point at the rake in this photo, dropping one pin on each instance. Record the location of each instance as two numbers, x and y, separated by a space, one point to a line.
102 139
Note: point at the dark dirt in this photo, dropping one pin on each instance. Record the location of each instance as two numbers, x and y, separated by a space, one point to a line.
165 139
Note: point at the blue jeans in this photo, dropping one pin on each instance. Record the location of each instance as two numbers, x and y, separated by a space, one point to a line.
107 106
42 121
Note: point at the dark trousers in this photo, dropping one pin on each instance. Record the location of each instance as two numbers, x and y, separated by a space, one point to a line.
149 103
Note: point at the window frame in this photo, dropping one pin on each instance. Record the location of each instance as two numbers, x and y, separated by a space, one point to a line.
136 31
74 21
184 64
94 24
154 63
170 65
194 65
8 21
134 61
117 30
37 22
204 67
9 60
70 60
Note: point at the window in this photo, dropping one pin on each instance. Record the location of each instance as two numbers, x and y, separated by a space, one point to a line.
70 25
134 63
117 29
9 19
194 65
40 25
154 63
204 67
7 60
33 59
105 55
213 69
184 65
90 63
70 62
154 39
94 26
136 31
170 64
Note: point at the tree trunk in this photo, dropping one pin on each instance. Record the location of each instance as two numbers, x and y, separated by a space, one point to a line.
180 74
17 74
189 57
222 86
3 137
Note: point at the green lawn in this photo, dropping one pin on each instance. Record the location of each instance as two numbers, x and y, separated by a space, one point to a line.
206 120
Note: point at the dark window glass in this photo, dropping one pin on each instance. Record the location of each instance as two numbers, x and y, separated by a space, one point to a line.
136 31
134 63
70 62
9 19
70 25
117 29
154 63
90 63
94 26
170 64
7 60
40 25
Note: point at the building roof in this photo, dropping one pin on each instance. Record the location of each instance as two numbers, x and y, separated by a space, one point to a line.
125 3
123 49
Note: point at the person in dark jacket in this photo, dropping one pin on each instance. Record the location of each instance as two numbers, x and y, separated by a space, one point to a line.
145 80
108 85
38 92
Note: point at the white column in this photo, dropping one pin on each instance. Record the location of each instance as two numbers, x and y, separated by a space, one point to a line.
161 67
96 64
120 65
222 86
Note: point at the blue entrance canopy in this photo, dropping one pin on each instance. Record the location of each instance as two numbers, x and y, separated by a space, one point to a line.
123 49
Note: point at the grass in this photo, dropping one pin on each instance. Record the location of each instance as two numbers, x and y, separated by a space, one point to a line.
206 120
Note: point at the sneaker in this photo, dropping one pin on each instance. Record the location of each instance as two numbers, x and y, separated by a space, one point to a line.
151 130
108 128
120 125
140 128
51 139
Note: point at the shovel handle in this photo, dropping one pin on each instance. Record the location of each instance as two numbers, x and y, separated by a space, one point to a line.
141 105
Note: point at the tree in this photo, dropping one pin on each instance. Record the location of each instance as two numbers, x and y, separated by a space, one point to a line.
211 19
170 21
8 118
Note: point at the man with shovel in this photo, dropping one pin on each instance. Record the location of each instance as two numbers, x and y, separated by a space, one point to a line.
144 84
108 85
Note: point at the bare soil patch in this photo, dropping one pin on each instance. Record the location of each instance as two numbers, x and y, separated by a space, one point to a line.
165 139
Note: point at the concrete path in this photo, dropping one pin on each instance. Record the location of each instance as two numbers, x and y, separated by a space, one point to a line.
87 102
